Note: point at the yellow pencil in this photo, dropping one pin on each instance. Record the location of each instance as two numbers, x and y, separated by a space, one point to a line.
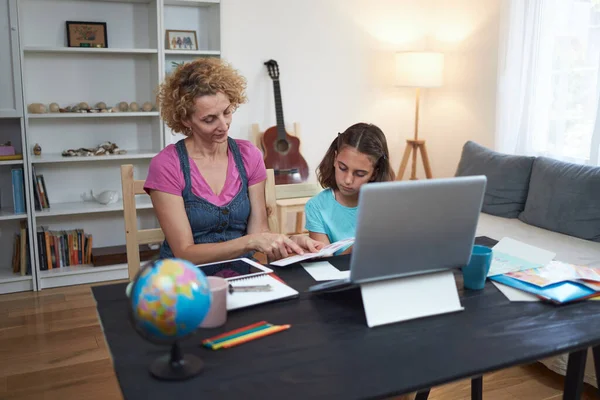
246 338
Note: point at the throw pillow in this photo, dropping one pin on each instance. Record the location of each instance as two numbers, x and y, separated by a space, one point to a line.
507 178
565 198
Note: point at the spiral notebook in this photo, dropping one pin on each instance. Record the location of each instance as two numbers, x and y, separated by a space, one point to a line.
279 291
246 272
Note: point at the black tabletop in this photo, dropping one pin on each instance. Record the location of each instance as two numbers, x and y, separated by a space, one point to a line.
329 352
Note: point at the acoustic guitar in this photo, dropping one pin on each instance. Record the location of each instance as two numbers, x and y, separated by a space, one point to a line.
282 150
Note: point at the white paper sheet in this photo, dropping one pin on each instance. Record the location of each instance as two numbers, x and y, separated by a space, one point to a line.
403 299
324 271
510 255
513 294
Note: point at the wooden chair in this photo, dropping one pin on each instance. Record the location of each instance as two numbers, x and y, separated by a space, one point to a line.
290 198
134 237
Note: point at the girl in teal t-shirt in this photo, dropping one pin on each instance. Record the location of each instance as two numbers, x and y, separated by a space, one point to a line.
359 155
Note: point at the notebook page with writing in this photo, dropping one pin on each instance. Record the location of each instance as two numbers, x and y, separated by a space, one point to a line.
279 291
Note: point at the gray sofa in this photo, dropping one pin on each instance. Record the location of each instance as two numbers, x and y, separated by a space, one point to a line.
544 202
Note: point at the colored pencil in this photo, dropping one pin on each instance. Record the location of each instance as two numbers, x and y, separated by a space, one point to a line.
236 335
252 336
233 332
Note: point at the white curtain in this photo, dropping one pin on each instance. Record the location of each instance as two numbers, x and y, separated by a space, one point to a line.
548 84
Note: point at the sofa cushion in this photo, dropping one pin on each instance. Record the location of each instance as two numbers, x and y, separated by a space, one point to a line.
565 198
507 178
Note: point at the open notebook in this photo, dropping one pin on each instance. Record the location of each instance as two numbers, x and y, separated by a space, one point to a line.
245 272
279 291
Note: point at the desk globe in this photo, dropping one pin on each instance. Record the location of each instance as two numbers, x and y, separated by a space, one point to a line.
168 300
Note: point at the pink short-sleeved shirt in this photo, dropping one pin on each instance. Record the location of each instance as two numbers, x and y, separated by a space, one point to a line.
165 174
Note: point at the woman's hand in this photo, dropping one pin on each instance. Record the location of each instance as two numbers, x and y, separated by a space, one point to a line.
308 244
274 245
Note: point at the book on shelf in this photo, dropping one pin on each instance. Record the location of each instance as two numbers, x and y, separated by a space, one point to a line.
21 262
40 194
63 248
18 186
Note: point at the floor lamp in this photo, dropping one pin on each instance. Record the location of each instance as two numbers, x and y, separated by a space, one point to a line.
418 70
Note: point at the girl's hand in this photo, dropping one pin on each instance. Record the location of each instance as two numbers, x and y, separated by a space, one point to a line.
274 245
308 244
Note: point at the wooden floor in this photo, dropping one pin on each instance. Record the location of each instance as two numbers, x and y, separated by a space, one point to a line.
52 347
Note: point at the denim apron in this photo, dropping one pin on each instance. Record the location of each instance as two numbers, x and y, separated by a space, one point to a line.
211 223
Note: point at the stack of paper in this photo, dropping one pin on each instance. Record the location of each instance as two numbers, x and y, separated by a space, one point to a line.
525 273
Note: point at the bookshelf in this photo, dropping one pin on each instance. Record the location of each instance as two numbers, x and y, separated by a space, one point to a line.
44 70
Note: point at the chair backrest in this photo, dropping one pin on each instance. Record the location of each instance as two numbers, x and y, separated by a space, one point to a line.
297 190
134 237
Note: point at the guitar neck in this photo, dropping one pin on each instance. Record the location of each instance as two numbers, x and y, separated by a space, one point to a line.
279 110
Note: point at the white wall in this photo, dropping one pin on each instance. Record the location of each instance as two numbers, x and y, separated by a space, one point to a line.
336 63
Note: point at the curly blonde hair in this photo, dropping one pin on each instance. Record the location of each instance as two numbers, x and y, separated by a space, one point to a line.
203 76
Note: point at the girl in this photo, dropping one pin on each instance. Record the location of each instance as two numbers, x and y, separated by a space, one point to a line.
357 156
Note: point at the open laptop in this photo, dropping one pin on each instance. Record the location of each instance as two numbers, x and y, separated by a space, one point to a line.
407 228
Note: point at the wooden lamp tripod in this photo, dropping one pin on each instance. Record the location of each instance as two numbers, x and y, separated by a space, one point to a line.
418 69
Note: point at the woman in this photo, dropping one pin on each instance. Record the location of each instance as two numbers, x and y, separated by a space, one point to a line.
208 189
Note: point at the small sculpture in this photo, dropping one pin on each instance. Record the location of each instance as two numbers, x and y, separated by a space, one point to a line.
54 107
106 197
134 107
147 106
84 106
101 105
37 150
123 106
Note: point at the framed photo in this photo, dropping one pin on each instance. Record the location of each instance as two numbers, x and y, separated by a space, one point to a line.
181 40
86 34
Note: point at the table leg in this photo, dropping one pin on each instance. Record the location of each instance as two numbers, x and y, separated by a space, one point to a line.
477 388
422 395
596 351
574 379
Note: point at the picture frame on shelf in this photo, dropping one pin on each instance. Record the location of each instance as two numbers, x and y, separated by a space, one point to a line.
87 34
181 40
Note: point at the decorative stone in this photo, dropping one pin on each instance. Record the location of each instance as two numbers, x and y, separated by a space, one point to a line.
147 106
114 109
37 150
84 106
134 107
54 108
36 108
123 106
101 105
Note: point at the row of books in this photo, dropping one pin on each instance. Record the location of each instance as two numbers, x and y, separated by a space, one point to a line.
58 249
40 193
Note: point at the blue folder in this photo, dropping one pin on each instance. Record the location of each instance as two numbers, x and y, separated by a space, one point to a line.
561 292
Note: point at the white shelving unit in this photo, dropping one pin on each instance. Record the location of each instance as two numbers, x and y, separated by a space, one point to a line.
12 128
129 69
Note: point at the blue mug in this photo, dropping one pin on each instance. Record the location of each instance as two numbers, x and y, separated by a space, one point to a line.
475 273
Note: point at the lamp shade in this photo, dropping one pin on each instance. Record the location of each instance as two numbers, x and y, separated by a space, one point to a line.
419 69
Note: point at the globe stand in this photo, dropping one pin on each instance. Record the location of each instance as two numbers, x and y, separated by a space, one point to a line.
176 366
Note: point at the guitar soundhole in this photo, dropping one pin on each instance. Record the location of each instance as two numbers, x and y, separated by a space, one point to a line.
282 146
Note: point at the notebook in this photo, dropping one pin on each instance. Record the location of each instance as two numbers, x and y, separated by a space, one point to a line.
559 293
280 291
246 272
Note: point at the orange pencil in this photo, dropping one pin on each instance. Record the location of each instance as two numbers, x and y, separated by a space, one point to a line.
257 335
233 332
